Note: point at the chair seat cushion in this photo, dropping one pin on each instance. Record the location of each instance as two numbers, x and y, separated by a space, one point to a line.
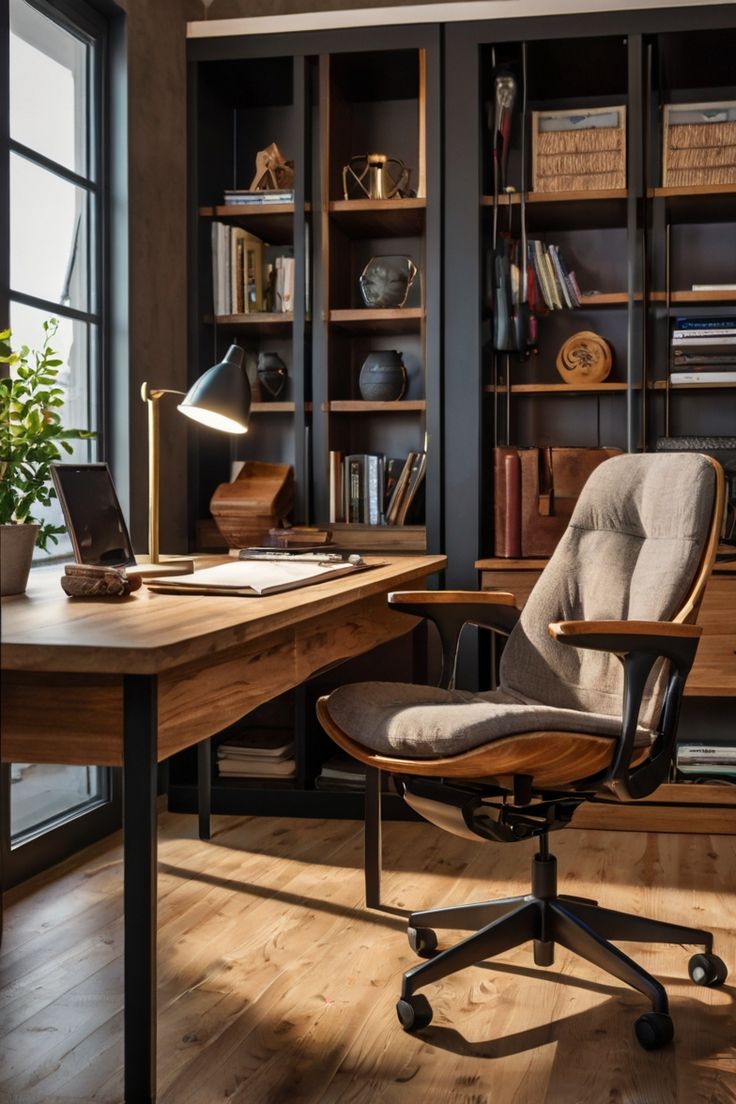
423 722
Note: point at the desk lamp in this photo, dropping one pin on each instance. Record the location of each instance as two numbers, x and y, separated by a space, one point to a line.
220 399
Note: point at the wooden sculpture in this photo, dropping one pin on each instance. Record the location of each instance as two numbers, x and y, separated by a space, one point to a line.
261 497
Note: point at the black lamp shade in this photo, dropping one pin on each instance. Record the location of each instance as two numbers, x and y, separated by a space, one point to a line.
220 398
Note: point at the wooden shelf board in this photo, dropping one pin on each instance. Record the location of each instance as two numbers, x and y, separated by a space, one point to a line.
694 190
500 563
695 296
661 385
272 221
605 299
272 408
260 322
369 218
360 406
558 197
556 388
697 202
397 320
551 210
378 538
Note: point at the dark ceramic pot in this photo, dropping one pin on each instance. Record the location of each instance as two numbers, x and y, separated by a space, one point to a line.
272 375
383 376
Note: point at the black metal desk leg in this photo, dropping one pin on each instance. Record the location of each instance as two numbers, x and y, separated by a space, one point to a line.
372 851
204 786
139 894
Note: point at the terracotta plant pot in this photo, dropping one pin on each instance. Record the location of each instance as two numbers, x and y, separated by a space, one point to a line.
16 552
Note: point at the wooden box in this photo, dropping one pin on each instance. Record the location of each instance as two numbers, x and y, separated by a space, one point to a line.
579 150
260 497
699 146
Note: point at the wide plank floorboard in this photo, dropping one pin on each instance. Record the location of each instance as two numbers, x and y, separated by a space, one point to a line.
275 983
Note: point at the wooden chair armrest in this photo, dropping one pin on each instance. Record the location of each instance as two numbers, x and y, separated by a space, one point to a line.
563 630
452 597
451 610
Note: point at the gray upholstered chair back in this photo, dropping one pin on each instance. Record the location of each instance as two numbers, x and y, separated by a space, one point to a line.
630 552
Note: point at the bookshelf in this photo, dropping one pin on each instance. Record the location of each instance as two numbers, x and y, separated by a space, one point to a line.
636 250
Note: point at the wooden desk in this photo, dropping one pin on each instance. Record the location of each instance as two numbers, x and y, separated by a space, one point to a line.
127 683
679 807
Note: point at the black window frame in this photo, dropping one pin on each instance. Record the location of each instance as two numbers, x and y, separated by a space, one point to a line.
103 25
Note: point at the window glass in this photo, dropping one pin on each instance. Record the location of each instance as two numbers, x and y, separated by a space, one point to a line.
48 87
48 235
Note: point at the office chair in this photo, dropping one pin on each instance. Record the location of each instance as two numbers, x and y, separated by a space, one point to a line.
591 680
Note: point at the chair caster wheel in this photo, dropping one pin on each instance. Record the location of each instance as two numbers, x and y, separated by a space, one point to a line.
423 941
707 969
654 1030
414 1013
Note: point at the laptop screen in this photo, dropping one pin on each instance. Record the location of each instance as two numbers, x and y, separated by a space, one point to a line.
92 513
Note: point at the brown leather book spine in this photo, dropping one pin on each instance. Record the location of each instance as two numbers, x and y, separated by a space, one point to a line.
512 464
506 502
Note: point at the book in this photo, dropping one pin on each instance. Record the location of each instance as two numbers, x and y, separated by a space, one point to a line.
700 753
245 196
560 276
413 486
337 500
552 281
248 578
695 337
399 489
373 489
353 488
702 377
683 322
714 287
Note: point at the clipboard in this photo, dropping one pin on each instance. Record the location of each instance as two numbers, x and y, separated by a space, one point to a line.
256 578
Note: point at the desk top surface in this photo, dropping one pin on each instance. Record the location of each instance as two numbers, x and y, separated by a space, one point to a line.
43 630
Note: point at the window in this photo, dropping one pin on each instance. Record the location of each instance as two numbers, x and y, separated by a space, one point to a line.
55 267
56 210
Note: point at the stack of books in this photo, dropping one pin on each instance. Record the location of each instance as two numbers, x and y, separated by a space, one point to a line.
372 489
718 759
245 197
341 772
258 753
703 351
550 282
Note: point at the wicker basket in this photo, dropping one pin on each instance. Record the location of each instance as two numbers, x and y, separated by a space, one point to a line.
699 144
579 150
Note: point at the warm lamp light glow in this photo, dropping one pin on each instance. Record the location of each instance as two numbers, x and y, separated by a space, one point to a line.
212 419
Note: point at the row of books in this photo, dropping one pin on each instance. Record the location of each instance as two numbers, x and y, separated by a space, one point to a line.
703 350
550 281
342 772
248 197
243 281
372 489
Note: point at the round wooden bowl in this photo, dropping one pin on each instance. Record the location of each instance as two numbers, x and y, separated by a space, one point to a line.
584 359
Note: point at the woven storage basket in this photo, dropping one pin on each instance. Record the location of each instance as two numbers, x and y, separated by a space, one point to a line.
579 150
699 145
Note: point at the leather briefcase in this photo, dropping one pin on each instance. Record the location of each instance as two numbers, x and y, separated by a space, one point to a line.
536 491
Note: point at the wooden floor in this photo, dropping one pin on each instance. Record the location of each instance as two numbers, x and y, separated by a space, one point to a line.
276 985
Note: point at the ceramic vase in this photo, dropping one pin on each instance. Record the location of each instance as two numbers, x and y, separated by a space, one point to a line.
272 375
383 376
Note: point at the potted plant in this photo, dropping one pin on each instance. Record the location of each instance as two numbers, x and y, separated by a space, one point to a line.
31 439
